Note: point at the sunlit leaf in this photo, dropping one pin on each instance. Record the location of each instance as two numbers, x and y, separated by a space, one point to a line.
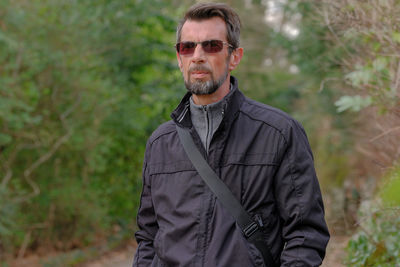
353 103
359 77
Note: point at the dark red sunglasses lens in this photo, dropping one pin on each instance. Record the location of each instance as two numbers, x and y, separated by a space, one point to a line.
212 46
186 48
209 46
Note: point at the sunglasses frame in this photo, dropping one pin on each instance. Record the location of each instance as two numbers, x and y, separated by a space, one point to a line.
177 46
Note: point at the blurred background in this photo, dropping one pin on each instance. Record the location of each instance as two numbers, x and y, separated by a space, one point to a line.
84 83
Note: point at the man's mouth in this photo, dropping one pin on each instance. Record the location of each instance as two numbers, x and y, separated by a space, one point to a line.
199 74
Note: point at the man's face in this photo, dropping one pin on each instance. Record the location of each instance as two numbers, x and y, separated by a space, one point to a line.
204 72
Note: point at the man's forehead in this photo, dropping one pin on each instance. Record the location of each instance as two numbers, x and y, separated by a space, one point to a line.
212 28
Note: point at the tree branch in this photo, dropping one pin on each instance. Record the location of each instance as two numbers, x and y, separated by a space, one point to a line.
10 160
36 164
385 133
328 24
46 156
6 178
42 225
24 245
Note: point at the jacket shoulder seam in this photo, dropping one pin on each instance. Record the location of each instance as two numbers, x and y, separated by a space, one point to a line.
248 114
159 132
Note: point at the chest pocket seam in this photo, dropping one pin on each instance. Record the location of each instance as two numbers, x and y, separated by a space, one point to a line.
250 159
170 167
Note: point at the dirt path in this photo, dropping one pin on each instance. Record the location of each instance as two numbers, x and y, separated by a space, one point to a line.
119 258
334 256
335 253
124 257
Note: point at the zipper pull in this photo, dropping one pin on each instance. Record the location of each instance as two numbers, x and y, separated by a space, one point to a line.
259 220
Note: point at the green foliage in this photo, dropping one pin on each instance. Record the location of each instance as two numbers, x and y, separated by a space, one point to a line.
389 192
353 103
7 211
82 85
368 48
377 242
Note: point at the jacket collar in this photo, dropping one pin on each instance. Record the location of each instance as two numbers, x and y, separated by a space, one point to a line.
231 105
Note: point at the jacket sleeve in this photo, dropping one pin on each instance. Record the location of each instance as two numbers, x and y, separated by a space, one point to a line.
300 202
146 221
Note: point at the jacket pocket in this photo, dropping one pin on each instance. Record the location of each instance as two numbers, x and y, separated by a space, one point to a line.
157 262
158 250
250 178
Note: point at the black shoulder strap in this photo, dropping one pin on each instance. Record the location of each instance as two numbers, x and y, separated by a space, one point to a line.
250 228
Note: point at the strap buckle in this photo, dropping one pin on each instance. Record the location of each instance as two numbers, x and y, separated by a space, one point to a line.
250 229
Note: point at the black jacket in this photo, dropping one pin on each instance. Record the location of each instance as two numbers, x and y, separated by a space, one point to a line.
264 157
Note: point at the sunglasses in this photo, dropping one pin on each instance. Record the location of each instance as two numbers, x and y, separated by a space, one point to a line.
209 46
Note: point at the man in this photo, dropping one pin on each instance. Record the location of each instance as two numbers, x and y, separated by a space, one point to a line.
259 152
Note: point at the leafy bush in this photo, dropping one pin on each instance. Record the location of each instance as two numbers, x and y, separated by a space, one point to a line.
82 85
377 242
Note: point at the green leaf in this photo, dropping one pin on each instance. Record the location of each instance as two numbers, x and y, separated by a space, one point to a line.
360 77
353 103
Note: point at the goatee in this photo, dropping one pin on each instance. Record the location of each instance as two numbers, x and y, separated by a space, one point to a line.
205 87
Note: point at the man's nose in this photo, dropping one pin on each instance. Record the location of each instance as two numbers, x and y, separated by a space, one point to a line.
198 54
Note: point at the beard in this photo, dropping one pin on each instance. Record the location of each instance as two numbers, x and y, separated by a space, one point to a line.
205 87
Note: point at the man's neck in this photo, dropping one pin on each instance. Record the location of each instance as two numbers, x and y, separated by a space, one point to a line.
221 92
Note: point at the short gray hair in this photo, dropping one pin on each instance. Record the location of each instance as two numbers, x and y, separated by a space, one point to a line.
204 11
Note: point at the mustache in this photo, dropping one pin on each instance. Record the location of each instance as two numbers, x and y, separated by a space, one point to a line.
199 68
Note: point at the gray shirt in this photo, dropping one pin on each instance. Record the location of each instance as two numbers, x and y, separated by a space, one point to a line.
206 119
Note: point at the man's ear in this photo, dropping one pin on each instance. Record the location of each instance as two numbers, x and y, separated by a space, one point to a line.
179 61
235 58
